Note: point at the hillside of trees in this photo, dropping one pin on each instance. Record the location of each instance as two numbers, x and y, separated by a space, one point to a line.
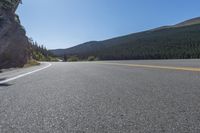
40 52
180 41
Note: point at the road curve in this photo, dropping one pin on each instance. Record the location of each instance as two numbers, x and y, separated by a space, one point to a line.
103 97
19 74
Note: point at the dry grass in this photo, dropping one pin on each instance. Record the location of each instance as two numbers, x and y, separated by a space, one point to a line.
32 63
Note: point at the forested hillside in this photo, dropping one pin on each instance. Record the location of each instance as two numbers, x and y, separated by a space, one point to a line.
40 52
170 42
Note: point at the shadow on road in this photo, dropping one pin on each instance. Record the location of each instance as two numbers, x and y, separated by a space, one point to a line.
1 79
4 84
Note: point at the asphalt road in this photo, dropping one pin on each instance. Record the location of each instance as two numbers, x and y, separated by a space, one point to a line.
102 97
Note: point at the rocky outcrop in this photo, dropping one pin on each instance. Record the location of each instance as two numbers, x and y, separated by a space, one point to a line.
14 45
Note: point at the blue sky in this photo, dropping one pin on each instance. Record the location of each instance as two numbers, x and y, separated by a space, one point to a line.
65 23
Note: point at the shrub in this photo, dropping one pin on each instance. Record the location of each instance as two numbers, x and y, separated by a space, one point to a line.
91 58
31 63
73 59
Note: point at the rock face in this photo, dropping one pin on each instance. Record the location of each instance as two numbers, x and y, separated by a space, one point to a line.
14 45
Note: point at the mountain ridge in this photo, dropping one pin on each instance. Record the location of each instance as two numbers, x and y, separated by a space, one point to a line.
189 22
132 40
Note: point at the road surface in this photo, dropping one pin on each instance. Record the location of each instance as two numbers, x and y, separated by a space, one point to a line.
115 97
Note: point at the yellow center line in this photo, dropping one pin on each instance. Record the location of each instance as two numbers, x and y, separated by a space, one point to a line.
193 69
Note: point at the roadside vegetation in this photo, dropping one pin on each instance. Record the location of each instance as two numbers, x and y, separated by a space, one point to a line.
40 52
31 63
75 58
92 58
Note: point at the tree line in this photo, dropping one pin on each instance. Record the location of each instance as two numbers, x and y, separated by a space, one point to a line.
40 52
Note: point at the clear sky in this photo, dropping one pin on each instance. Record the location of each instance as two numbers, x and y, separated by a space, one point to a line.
65 23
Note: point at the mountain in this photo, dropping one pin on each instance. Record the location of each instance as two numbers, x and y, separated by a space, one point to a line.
182 24
189 22
169 42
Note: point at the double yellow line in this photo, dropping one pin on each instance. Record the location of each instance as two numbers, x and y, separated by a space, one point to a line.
154 66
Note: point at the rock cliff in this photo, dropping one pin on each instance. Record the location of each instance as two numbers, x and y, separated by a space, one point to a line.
14 45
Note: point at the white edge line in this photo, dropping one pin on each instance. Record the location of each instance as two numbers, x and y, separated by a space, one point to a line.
23 75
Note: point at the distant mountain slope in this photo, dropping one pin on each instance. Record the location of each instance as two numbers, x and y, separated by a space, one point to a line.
189 22
185 23
178 41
